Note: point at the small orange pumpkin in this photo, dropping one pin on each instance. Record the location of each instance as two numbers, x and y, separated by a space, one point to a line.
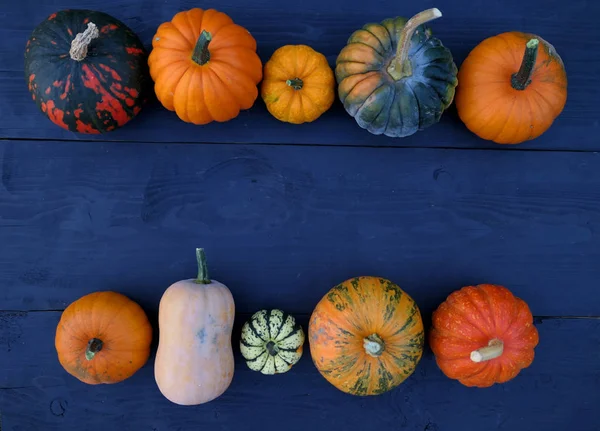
366 336
511 88
205 67
298 84
103 337
482 335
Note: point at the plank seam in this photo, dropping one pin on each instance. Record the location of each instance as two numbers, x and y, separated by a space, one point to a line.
270 144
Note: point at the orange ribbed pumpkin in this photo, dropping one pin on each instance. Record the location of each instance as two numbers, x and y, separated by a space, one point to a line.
298 85
366 336
511 88
482 335
103 337
205 67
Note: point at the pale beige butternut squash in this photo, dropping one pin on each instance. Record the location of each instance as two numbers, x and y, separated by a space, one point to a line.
194 361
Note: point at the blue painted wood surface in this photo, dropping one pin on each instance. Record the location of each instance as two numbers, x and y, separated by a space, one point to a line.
325 25
286 212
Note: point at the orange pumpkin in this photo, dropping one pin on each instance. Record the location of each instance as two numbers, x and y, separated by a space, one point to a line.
483 335
298 84
366 336
511 88
103 337
205 67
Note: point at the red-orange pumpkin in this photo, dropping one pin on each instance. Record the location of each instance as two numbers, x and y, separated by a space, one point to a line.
482 335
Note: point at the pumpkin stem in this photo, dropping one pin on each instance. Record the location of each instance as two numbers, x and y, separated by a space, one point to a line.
93 347
493 350
272 348
79 45
400 66
201 54
203 277
295 83
374 345
522 78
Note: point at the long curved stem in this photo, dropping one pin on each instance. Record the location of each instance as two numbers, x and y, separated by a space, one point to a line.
203 277
522 78
400 66
493 350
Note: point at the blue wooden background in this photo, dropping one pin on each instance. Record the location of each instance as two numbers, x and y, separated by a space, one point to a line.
285 212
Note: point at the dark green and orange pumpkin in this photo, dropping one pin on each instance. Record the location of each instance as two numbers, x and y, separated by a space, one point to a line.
394 77
86 70
366 336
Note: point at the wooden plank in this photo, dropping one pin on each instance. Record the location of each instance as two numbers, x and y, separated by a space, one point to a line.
558 392
325 26
283 224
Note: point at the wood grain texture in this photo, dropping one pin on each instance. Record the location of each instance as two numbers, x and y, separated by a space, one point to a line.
558 392
569 26
282 224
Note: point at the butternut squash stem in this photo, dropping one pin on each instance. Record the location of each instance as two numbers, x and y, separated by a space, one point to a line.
295 83
522 78
79 45
93 347
374 345
400 66
201 54
493 350
203 277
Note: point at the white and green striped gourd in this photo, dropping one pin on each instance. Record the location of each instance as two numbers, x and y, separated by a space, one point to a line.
271 342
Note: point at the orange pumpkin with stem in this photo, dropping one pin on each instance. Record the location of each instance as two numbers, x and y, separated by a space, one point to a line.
366 336
511 88
298 84
482 335
204 66
103 337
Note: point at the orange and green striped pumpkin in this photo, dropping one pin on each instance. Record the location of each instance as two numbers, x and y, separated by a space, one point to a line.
366 336
394 78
